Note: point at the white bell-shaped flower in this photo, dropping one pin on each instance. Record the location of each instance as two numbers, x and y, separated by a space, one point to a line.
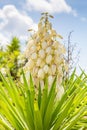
46 69
53 68
50 80
44 45
41 74
38 62
34 56
49 59
42 53
30 64
33 49
48 50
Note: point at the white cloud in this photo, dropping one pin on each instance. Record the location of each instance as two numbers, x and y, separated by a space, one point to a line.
14 23
52 6
3 40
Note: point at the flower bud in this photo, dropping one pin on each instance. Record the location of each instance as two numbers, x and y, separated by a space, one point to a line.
55 45
30 43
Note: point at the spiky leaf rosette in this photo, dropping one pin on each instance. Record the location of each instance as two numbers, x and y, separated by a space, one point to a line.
19 110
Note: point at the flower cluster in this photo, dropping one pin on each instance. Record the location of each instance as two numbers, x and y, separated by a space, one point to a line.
45 54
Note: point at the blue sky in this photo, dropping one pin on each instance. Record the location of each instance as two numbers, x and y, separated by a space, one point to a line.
16 16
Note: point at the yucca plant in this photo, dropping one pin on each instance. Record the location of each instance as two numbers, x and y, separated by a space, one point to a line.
40 101
22 109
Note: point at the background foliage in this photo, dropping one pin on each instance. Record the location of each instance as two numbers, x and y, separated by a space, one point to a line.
11 58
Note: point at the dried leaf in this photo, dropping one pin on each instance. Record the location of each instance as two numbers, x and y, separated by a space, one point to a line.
60 36
51 16
30 30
